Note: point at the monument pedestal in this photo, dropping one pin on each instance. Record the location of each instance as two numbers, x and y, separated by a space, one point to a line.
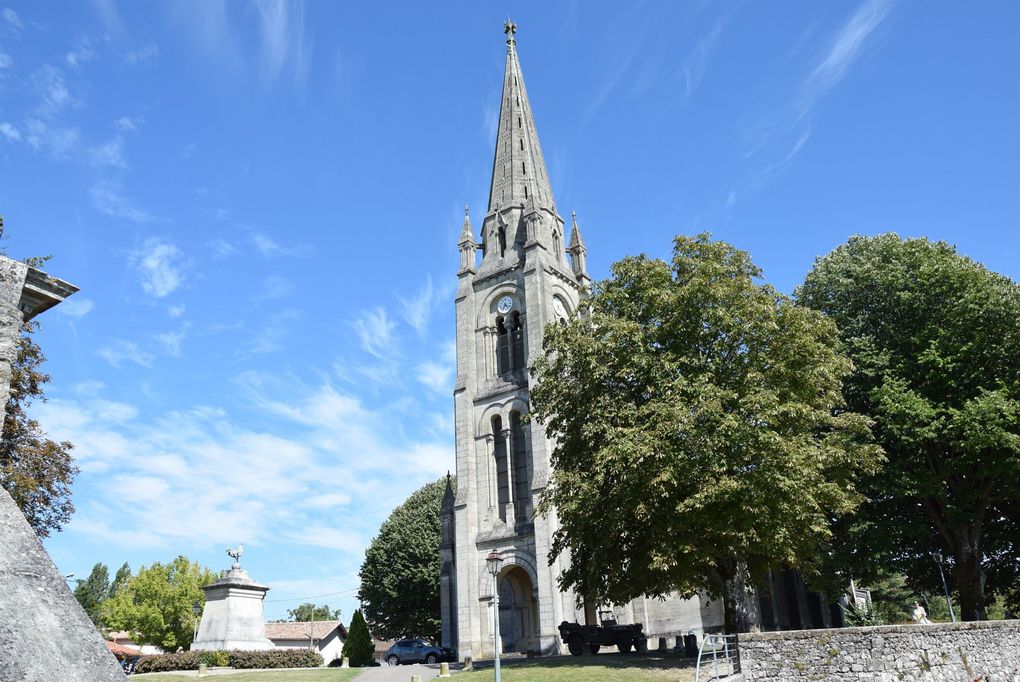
233 617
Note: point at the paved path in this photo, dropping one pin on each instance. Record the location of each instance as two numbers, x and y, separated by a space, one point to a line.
402 673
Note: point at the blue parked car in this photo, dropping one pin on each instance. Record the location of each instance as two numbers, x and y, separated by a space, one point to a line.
417 651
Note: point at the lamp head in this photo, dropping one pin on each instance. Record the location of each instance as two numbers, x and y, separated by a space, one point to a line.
494 562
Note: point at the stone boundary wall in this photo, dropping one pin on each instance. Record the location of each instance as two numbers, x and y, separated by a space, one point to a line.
988 651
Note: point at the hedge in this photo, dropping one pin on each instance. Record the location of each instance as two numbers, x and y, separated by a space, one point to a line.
190 660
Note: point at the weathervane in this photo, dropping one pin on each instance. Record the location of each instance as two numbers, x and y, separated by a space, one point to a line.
235 554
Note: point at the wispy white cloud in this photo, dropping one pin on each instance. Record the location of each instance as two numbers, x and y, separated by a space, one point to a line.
110 16
692 69
82 52
54 95
176 310
60 142
109 153
10 132
160 266
846 47
417 309
272 336
438 374
784 134
142 56
274 288
118 352
375 331
267 246
171 341
76 307
221 247
5 60
107 198
284 40
12 19
126 123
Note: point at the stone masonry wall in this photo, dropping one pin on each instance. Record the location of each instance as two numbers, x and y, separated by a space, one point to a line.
987 651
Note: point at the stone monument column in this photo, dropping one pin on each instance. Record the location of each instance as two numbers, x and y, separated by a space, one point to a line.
44 633
233 616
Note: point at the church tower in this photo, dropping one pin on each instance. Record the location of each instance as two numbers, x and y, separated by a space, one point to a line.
523 282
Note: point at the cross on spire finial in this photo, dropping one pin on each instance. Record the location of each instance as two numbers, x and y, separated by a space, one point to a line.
509 28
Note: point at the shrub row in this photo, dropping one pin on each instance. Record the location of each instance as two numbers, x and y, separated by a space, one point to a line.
190 660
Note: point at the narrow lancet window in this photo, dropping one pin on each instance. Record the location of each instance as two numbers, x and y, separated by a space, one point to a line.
517 341
520 459
502 347
499 454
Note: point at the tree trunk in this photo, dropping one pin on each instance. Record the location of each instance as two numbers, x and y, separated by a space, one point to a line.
736 602
969 578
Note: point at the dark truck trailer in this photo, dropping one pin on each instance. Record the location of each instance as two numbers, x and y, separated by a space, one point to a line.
623 637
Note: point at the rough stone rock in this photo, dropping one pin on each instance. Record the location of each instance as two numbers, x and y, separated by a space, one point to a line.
44 633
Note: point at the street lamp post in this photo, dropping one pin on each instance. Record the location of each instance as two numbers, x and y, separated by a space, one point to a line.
195 609
495 563
938 560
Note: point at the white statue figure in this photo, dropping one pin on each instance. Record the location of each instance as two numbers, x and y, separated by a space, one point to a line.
235 554
920 615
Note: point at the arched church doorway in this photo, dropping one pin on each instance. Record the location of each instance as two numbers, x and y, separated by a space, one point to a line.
517 612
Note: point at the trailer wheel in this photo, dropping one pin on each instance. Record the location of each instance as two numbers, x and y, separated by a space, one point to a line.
623 644
594 648
575 645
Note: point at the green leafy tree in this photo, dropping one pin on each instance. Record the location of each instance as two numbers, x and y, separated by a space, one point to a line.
892 598
93 591
307 612
400 575
120 579
155 606
700 436
359 648
36 471
934 338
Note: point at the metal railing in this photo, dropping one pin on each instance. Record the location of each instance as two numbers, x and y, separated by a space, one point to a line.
719 652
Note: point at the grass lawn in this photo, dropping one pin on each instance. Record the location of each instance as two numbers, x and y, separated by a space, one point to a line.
608 667
309 675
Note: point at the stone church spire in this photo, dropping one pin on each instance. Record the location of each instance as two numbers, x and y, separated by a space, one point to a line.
518 168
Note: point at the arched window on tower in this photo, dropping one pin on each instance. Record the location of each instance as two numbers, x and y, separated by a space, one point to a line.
521 464
516 341
502 347
501 237
499 454
557 246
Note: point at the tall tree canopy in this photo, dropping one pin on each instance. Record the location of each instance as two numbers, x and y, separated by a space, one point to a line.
400 575
155 605
93 591
699 428
935 340
309 611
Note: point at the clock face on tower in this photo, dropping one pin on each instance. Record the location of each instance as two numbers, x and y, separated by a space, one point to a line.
559 308
505 304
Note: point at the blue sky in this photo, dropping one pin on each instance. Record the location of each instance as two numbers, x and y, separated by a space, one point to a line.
260 202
